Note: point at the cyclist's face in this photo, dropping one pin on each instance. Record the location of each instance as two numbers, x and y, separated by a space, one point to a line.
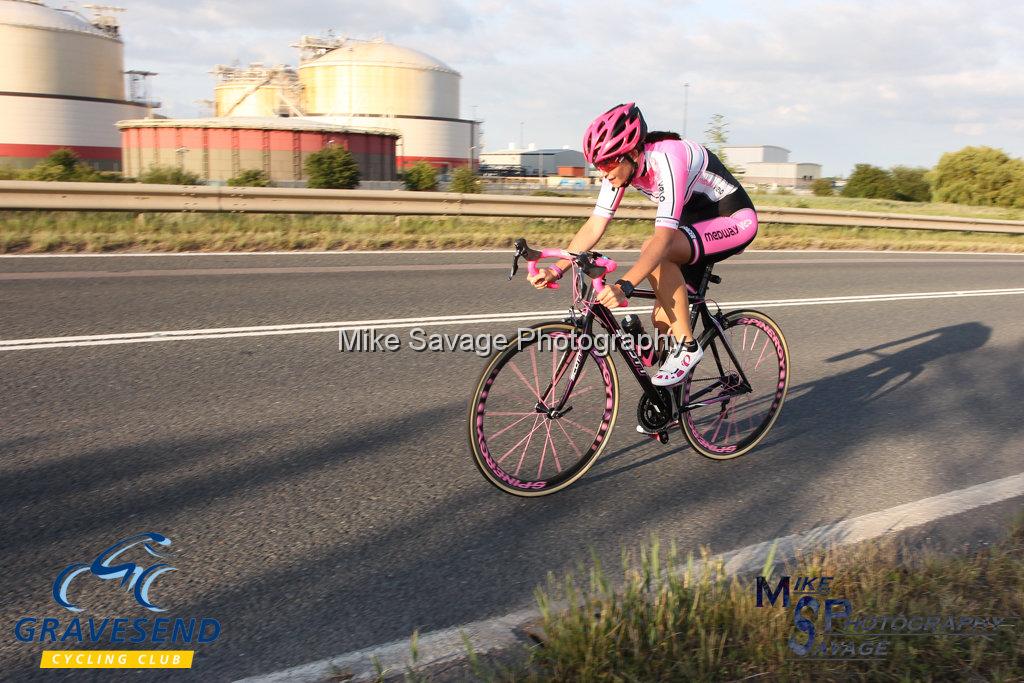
618 172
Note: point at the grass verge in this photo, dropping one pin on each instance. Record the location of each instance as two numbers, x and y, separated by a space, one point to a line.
660 624
73 232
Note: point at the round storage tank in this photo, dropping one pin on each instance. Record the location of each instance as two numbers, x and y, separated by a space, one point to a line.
218 149
61 85
377 78
256 90
247 99
373 84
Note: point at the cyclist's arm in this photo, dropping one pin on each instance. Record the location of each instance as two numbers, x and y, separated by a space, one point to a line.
586 238
590 234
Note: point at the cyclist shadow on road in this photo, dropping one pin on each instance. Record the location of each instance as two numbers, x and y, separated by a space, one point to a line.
844 396
855 396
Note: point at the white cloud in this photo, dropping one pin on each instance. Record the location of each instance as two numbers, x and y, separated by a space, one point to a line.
837 82
972 129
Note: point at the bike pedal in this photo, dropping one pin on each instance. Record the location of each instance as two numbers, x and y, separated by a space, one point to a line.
660 436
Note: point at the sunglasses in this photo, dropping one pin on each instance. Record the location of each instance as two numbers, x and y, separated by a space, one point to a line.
610 164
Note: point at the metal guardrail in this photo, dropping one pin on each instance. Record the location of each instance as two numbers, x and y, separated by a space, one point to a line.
22 195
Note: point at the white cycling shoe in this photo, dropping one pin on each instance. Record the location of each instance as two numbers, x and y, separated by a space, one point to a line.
677 365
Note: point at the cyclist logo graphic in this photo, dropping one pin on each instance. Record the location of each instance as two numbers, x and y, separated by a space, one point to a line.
133 577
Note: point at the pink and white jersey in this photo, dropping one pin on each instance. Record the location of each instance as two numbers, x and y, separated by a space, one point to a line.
688 182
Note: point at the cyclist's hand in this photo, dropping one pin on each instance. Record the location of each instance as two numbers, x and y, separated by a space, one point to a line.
542 278
611 296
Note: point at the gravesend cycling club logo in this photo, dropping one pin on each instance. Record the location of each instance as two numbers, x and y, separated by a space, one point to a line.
132 564
132 576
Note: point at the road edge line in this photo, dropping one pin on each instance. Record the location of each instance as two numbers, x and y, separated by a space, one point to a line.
446 645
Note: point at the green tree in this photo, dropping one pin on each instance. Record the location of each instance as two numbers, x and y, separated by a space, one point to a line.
717 136
332 168
420 177
465 181
870 181
980 176
911 184
169 175
63 165
822 187
251 177
10 173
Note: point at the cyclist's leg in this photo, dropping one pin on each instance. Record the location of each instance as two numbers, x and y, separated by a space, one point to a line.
724 236
671 312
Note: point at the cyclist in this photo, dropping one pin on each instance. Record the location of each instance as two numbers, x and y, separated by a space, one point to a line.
704 215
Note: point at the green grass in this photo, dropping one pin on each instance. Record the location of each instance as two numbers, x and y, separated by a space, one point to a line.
46 232
657 623
887 206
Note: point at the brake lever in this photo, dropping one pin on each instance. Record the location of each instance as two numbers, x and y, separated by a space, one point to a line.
515 266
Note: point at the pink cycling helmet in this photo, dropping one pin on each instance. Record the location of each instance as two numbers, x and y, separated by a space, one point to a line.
614 133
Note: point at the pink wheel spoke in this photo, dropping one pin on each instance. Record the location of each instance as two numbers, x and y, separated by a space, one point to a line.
754 340
762 353
730 428
554 367
569 439
743 347
497 434
750 416
554 451
579 426
533 363
529 438
490 414
581 392
526 382
525 438
718 425
579 380
544 451
563 364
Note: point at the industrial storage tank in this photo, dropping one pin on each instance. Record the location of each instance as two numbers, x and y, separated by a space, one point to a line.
61 85
374 77
218 149
256 90
374 84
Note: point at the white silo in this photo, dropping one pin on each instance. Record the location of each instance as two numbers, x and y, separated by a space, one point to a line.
256 90
61 85
374 84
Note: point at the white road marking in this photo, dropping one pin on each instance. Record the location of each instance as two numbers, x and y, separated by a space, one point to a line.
393 268
492 634
434 321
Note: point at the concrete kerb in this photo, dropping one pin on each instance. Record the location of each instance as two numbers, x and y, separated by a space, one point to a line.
448 647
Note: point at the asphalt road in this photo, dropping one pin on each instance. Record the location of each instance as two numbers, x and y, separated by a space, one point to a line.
324 501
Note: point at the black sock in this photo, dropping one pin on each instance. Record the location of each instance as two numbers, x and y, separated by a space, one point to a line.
691 345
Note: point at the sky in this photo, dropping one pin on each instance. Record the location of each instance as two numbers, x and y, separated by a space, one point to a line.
836 82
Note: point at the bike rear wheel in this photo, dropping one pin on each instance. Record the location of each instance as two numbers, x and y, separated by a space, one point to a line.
518 444
730 420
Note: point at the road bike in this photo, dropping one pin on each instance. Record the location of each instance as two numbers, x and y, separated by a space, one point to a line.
545 405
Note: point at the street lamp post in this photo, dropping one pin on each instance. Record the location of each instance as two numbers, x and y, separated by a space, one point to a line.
686 105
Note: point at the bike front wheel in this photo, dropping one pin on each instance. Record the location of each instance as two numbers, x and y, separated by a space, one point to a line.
521 441
723 416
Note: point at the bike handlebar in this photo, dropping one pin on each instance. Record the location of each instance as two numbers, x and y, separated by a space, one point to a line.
532 256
